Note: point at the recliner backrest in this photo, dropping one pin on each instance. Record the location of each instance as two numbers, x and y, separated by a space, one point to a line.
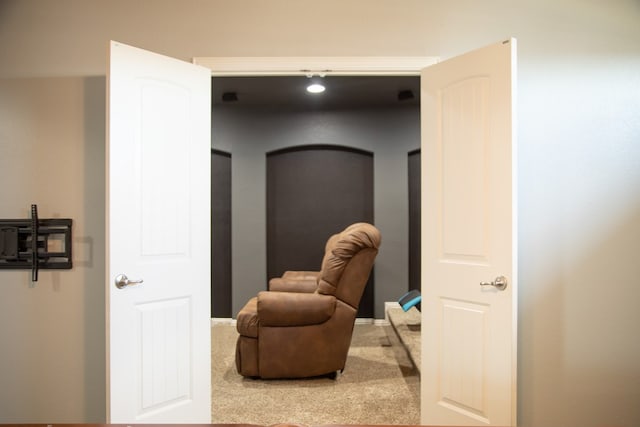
348 261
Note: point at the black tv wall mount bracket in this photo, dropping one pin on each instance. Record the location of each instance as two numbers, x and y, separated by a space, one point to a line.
35 243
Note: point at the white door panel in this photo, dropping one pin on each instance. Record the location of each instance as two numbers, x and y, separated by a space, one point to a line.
468 237
158 210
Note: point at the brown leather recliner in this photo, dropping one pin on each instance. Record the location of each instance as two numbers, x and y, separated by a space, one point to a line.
289 332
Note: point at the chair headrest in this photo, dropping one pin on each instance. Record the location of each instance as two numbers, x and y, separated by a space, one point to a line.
345 246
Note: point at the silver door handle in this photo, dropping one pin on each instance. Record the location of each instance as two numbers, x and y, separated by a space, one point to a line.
123 281
500 283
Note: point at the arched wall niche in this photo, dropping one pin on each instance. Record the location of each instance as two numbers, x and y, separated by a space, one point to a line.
314 191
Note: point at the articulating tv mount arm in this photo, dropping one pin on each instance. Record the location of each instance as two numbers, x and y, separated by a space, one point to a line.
35 243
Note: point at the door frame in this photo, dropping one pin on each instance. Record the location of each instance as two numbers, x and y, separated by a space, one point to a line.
309 66
297 66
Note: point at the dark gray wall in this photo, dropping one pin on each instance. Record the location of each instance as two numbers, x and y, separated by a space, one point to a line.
250 133
221 234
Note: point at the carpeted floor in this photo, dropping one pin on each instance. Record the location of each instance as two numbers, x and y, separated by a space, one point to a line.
379 386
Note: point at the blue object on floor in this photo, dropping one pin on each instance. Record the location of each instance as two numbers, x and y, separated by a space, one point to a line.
410 299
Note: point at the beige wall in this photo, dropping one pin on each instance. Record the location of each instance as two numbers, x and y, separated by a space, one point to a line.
52 331
579 159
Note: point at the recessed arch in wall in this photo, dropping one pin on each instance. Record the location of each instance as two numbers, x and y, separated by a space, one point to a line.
314 191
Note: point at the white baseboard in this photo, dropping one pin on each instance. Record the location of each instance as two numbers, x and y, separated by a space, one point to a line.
222 321
370 321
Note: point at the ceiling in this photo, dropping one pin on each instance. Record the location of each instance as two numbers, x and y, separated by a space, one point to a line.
341 92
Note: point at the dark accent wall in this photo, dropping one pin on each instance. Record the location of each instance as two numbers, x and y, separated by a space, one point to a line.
313 192
220 234
413 159
250 133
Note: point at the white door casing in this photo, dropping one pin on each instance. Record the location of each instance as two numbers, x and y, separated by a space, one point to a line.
469 339
157 229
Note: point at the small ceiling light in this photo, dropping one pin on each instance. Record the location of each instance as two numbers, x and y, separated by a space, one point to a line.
315 87
315 83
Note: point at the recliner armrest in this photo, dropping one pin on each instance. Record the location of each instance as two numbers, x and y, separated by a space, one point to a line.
301 274
294 309
282 284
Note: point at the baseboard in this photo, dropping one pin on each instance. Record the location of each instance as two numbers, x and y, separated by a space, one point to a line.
222 321
370 321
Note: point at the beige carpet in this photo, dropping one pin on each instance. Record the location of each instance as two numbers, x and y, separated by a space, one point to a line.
379 386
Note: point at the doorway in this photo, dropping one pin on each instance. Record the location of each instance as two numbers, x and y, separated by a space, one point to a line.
362 67
503 75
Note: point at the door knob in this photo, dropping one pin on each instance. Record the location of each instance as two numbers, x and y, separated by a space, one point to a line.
500 283
123 281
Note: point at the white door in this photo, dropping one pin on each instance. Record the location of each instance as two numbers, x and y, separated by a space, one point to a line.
469 340
157 225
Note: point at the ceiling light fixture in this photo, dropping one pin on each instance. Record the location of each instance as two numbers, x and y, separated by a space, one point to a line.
315 86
